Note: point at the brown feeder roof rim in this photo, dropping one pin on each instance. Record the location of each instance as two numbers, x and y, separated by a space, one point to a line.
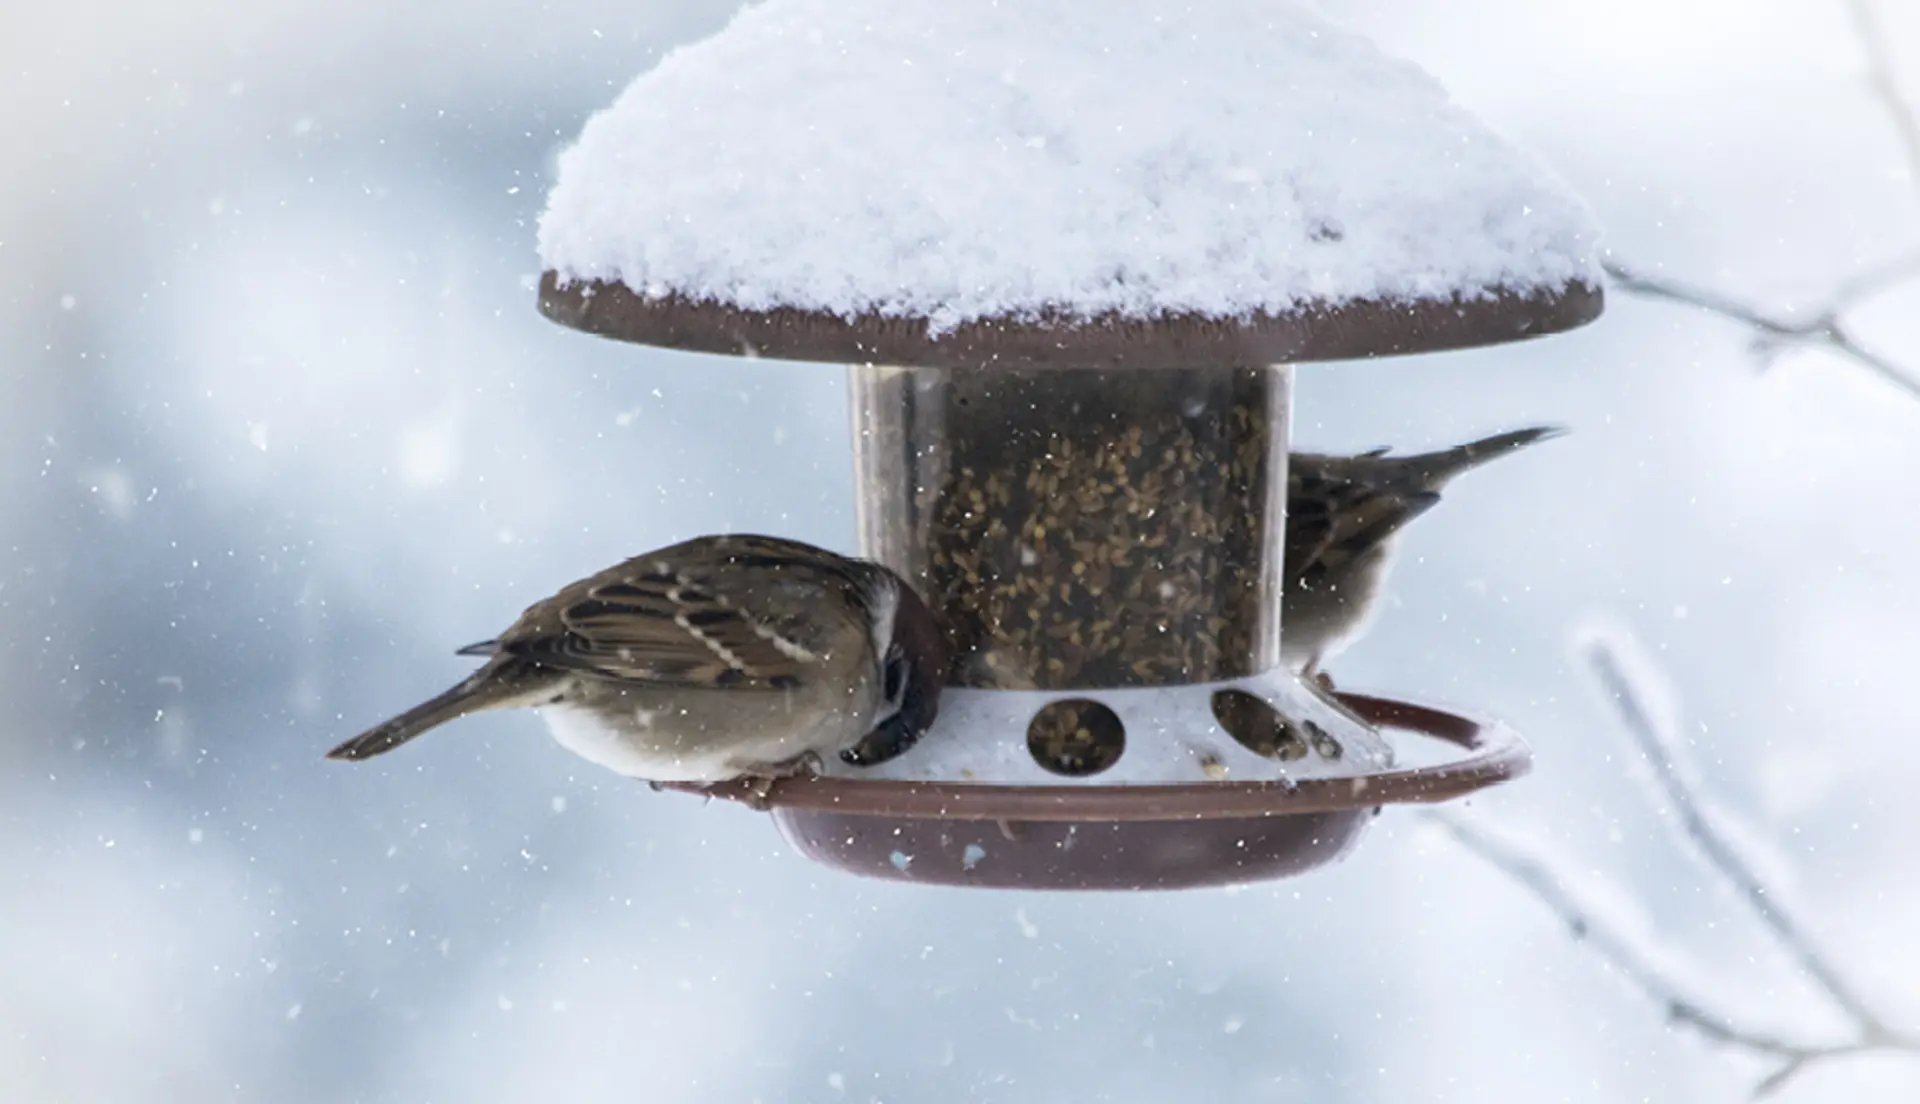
1499 755
1360 328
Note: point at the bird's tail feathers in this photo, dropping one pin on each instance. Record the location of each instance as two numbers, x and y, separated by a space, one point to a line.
1371 527
488 688
1435 469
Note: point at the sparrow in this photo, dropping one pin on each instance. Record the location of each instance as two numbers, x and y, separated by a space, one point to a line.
721 657
1342 515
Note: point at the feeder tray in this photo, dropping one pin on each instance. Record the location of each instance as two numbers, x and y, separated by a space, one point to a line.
1133 837
1071 432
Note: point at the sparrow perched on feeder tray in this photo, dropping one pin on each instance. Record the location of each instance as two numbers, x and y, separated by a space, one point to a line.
1342 515
717 658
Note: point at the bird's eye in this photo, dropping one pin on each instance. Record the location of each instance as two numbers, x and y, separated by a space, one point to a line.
895 676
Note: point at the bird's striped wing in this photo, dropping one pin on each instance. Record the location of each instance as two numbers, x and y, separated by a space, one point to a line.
742 615
1332 521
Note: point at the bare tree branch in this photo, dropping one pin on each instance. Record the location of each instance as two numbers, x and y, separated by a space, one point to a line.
1824 330
1536 874
1721 855
1702 829
1788 1070
1880 81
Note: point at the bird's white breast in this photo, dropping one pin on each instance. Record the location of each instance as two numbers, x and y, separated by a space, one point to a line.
708 737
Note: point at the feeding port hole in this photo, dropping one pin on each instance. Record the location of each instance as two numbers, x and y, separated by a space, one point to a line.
1076 737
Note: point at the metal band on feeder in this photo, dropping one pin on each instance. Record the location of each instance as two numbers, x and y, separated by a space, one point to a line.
1088 486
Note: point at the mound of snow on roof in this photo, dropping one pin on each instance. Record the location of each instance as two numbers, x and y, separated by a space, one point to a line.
963 160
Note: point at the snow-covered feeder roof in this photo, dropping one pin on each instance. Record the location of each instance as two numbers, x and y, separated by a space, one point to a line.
1054 181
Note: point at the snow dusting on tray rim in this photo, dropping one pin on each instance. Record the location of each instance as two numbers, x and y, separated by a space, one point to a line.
959 161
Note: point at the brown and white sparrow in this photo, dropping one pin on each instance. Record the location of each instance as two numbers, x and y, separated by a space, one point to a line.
717 658
1342 515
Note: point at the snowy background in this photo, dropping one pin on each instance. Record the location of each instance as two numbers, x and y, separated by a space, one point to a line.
280 427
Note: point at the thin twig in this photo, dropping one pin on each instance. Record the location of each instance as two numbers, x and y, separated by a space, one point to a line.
1537 876
1870 1032
1824 330
1881 82
1722 856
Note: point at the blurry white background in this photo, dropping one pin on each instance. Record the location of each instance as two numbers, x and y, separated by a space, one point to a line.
280 428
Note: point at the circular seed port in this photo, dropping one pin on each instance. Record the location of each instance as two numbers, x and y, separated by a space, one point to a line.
1258 727
1076 737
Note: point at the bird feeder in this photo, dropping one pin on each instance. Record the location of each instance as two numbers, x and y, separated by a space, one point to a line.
1070 251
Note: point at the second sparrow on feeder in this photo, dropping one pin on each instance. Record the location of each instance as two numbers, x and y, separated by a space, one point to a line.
721 657
1342 515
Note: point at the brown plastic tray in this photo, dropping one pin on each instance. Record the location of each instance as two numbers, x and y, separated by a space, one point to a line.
1121 837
